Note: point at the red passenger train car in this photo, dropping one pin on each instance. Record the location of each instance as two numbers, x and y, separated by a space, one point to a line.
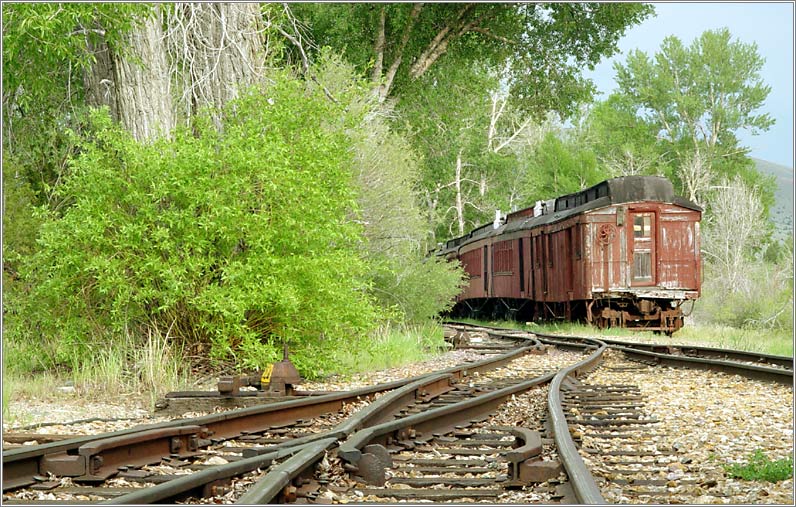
624 252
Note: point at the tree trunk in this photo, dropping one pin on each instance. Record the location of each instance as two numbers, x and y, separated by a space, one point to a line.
459 200
379 46
98 80
142 81
384 88
221 50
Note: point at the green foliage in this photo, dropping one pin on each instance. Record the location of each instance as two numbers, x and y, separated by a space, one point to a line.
448 59
697 98
405 283
419 289
761 468
764 301
622 141
560 167
60 33
218 237
19 222
444 130
45 53
546 45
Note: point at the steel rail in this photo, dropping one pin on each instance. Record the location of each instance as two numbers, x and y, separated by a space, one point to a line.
694 357
183 485
693 351
379 409
445 418
715 360
22 464
438 420
580 477
427 386
753 371
277 479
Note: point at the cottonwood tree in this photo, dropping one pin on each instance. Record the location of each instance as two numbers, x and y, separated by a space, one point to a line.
696 98
218 50
405 279
470 80
48 49
548 43
623 142
141 80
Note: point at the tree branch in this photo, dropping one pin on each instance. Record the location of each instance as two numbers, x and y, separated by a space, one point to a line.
438 44
378 48
492 35
384 89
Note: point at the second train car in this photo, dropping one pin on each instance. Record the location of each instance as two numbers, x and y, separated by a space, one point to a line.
623 253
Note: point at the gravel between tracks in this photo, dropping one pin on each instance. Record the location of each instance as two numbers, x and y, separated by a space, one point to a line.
711 419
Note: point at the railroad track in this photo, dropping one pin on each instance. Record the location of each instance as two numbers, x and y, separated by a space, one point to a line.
439 437
125 453
753 365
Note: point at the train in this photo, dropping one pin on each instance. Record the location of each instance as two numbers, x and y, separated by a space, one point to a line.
622 253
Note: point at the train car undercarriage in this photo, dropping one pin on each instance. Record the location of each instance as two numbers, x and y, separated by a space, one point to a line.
659 315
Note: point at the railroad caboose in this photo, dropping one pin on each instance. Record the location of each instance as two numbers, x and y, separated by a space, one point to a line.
624 252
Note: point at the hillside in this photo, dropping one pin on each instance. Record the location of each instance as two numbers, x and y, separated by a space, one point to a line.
782 210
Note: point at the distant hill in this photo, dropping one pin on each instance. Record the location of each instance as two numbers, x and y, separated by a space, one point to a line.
782 210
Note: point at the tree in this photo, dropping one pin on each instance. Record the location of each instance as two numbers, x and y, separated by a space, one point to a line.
623 142
49 50
560 166
542 47
470 83
453 136
697 98
734 230
142 81
218 50
407 282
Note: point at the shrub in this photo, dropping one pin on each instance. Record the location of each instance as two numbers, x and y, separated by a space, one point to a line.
406 283
762 301
223 238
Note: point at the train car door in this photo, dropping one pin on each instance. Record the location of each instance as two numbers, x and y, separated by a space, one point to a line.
642 249
486 271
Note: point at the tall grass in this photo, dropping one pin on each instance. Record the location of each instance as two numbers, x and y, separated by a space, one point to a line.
392 346
134 368
143 367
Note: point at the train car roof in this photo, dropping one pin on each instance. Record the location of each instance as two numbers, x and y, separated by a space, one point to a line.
613 191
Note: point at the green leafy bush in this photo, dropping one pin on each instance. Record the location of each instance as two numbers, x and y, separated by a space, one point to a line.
761 468
225 239
406 283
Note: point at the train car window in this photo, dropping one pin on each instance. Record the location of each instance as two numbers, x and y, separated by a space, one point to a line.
642 265
642 226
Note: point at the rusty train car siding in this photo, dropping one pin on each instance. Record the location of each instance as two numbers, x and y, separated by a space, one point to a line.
587 254
631 257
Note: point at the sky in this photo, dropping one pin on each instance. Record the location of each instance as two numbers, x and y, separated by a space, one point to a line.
768 24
